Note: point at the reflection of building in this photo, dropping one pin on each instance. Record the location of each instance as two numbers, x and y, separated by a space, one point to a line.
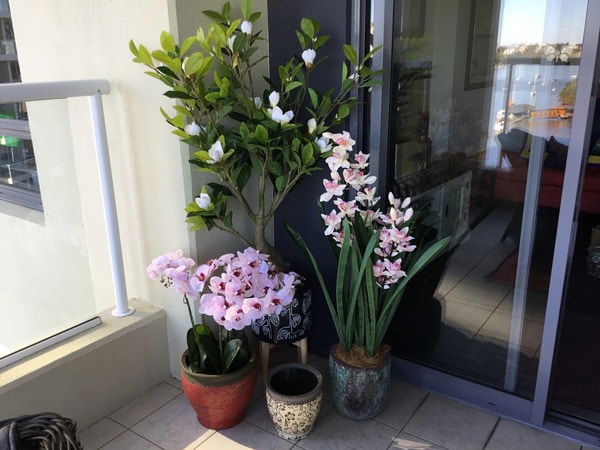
18 170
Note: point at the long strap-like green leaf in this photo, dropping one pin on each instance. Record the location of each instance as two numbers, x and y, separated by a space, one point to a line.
341 274
392 301
302 245
357 276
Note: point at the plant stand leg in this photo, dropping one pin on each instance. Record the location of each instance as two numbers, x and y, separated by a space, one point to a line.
302 346
265 349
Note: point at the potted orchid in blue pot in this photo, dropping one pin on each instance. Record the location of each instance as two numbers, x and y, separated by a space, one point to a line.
376 259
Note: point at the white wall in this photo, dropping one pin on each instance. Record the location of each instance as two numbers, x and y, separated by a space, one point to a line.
63 40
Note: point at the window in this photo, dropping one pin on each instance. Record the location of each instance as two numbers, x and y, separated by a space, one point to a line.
18 171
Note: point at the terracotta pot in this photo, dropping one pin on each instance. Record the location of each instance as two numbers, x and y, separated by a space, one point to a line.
289 326
294 393
220 401
359 393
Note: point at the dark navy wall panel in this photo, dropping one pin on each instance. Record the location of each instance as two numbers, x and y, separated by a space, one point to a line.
300 208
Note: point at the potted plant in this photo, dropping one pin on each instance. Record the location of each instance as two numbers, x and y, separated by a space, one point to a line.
376 259
294 393
218 369
240 132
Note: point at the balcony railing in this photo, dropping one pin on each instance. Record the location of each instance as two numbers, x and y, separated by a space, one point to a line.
93 89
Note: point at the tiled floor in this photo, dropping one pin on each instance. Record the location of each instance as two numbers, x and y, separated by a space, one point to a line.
413 419
477 311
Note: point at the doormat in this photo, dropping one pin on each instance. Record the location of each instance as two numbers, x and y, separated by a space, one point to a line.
575 379
539 275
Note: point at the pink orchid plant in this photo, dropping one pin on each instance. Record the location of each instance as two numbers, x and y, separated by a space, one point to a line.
394 234
373 248
241 288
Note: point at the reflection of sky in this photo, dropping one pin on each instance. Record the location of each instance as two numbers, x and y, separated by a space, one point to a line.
542 21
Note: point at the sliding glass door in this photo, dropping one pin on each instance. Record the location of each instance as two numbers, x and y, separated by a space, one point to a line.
481 112
483 107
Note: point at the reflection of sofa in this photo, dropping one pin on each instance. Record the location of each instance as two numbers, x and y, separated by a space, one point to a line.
511 178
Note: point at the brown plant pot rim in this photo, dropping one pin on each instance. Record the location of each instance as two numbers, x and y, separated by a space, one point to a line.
385 360
206 379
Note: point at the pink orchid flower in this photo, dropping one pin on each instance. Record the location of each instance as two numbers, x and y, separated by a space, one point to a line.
333 221
333 189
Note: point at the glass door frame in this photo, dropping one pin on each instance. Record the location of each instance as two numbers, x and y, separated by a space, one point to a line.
530 411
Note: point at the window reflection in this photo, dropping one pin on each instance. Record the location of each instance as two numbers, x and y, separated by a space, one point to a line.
18 169
481 110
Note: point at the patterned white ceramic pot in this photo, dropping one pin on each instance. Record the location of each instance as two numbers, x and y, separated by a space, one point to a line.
294 393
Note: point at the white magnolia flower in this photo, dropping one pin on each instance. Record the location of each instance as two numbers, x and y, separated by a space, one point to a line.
308 56
258 102
246 27
323 144
278 115
230 41
203 200
216 153
193 129
273 98
312 125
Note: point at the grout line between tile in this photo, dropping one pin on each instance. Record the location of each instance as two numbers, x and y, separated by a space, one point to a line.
124 431
415 411
417 437
149 414
491 433
146 439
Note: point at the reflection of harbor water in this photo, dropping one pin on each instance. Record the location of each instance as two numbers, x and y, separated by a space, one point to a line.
535 85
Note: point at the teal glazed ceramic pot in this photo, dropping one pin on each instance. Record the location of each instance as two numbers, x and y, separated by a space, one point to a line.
359 393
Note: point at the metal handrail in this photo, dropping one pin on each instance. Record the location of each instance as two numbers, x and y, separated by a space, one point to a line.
93 89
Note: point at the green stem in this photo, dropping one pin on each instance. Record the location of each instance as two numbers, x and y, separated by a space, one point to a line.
187 303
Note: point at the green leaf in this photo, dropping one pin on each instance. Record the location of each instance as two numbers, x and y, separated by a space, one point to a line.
313 262
308 27
343 111
291 86
187 44
161 56
193 63
133 48
255 16
226 11
344 71
261 134
321 40
246 6
144 55
229 353
243 176
166 71
302 39
341 271
166 42
275 168
307 154
178 94
350 54
214 15
208 346
280 183
314 97
371 53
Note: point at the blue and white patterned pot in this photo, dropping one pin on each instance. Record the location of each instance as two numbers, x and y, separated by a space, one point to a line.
291 325
359 393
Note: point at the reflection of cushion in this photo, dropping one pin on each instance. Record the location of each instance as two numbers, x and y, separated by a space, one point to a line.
527 147
514 140
557 154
